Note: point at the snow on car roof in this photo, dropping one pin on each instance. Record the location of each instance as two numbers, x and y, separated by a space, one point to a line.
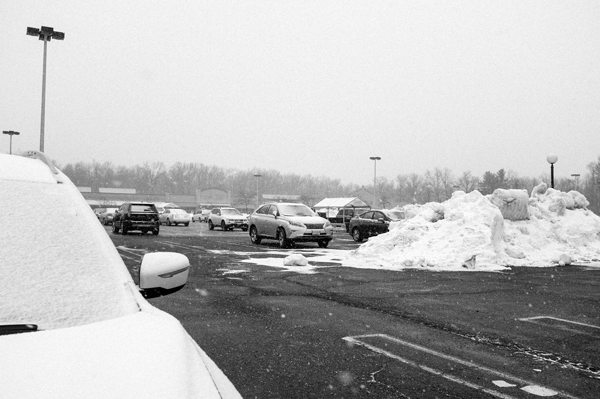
58 266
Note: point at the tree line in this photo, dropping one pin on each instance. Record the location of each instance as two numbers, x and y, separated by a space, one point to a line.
436 184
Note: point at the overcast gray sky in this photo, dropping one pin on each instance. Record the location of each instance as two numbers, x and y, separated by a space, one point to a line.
308 87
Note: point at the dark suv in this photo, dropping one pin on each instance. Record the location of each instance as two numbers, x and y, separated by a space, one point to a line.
140 216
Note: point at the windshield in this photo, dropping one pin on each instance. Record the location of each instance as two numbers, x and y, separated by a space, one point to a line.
178 211
295 210
230 212
395 215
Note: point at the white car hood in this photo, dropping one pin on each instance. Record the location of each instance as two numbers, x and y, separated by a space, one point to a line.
143 355
307 219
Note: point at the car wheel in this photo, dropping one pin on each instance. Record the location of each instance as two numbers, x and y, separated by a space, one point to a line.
168 222
123 229
115 228
210 225
323 243
186 224
282 238
356 236
244 229
254 237
155 231
223 226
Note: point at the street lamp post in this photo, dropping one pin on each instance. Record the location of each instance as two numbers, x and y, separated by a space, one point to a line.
375 159
551 158
46 34
11 133
576 176
257 177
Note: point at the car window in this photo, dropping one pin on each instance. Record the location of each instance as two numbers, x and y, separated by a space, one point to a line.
395 215
263 209
178 211
60 277
230 212
367 215
295 210
142 208
273 210
378 215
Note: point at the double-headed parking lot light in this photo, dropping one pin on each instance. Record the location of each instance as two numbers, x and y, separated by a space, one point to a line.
10 133
375 159
46 34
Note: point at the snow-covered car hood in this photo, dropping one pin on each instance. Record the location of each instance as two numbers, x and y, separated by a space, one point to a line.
147 354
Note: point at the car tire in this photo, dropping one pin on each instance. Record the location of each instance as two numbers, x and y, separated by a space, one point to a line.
223 226
254 237
244 229
123 229
323 243
155 231
356 236
282 238
211 226
168 222
186 224
115 228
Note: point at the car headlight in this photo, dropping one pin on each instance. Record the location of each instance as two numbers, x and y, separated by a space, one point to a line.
297 224
327 224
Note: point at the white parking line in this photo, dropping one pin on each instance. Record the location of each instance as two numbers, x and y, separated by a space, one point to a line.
525 385
563 324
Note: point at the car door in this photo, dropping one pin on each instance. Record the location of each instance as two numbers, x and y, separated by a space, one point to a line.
380 224
270 222
364 223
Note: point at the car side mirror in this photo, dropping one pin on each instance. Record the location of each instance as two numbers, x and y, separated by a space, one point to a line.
162 273
274 213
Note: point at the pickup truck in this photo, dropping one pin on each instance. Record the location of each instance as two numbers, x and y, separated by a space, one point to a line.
140 216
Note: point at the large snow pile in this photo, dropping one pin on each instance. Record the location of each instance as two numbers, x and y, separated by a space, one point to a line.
469 232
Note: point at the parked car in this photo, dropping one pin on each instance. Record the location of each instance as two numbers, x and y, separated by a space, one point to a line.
372 223
140 216
175 216
227 218
107 216
73 322
98 211
201 215
289 223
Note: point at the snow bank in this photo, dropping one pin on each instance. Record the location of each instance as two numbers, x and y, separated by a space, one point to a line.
469 232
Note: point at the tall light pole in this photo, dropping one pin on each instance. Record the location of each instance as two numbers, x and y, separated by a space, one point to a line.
257 177
46 34
375 159
551 158
576 176
11 133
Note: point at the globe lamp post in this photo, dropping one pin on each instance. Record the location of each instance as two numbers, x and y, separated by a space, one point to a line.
552 159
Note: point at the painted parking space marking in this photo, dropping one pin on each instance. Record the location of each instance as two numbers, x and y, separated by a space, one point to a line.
501 384
565 325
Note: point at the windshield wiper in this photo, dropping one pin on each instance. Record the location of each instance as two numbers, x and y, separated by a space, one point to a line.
8 329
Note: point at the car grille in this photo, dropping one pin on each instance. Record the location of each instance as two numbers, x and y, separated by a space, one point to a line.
314 225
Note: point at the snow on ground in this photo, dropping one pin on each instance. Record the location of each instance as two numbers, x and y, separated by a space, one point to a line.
469 232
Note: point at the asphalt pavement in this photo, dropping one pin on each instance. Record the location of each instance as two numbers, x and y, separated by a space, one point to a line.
348 332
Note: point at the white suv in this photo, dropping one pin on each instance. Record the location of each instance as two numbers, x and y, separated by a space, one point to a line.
73 322
227 218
